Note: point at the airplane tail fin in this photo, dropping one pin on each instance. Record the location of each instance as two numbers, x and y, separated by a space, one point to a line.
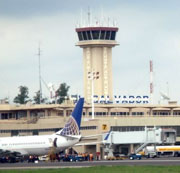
72 127
107 136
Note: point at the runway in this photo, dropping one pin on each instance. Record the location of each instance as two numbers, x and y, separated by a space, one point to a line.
45 165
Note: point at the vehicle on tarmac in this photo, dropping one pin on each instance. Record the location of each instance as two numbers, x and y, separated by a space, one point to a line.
117 157
79 158
33 159
11 159
71 158
120 156
43 158
151 155
135 156
173 150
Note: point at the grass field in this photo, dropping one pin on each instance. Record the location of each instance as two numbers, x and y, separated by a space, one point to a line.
103 169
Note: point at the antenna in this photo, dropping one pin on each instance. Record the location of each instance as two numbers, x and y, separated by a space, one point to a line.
167 83
102 16
89 17
40 87
164 96
108 21
81 18
151 82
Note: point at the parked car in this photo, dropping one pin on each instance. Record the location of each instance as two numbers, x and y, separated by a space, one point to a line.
11 159
151 155
72 158
3 160
79 158
135 156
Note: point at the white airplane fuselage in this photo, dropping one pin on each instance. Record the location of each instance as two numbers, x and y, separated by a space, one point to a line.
46 144
37 145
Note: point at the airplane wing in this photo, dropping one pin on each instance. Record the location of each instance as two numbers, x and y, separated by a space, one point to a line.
68 137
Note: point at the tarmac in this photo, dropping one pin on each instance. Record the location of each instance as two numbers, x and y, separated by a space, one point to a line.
57 165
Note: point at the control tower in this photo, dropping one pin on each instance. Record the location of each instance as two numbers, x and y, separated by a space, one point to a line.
97 42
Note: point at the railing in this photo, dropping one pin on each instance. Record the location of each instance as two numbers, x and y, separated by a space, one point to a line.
141 147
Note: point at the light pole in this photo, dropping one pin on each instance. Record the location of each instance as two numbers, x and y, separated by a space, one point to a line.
93 76
40 87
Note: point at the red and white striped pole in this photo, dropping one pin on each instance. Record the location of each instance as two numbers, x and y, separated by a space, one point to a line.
151 82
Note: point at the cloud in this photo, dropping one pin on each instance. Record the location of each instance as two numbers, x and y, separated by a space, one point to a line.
19 61
147 30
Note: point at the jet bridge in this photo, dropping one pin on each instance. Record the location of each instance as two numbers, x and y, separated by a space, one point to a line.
137 140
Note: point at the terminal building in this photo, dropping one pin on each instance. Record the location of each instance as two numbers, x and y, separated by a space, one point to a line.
47 119
97 42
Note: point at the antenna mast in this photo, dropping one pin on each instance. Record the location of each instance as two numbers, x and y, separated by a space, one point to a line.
40 87
89 17
151 82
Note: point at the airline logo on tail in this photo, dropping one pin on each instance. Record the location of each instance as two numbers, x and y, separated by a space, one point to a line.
72 127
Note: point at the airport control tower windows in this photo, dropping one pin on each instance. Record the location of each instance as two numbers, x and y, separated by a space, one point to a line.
102 35
113 35
95 34
84 35
80 36
89 35
107 35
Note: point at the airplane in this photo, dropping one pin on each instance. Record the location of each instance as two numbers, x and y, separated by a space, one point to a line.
42 144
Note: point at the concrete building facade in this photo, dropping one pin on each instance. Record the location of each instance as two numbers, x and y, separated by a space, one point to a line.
47 119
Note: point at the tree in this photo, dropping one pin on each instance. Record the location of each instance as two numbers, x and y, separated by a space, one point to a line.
22 97
62 92
36 98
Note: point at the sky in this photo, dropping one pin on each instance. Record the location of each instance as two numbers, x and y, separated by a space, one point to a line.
148 30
